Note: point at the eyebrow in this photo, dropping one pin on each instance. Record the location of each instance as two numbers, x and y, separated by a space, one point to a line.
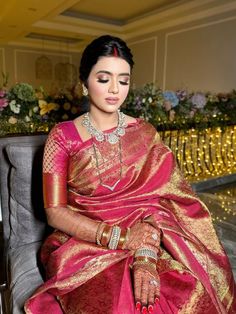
109 73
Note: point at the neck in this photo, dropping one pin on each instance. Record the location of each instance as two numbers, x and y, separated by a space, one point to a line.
103 120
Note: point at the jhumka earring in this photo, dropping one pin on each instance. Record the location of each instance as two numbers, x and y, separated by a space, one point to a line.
85 90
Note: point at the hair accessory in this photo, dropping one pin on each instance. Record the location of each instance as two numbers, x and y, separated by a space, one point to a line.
115 236
100 136
115 52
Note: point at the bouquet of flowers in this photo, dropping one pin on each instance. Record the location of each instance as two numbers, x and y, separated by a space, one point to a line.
181 109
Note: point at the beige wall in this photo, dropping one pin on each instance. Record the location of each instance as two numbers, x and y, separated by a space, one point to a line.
196 56
200 55
19 63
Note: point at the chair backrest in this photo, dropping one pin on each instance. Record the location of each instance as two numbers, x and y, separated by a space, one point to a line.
23 214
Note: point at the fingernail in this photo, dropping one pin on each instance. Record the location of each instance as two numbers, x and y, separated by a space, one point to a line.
144 310
150 309
138 306
157 300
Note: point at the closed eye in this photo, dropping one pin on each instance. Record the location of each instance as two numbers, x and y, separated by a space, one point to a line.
102 81
124 83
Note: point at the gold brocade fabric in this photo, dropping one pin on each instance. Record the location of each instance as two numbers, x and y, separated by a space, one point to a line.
195 273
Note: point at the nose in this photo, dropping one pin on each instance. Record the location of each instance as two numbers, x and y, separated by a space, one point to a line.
113 88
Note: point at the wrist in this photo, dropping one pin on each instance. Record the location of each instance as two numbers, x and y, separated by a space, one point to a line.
112 237
146 252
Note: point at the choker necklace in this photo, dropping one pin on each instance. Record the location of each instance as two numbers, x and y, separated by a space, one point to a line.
100 136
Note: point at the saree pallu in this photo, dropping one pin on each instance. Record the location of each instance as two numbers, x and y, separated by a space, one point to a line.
82 277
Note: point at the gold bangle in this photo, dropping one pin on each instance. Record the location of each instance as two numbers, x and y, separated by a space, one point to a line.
146 259
105 234
122 239
152 265
99 232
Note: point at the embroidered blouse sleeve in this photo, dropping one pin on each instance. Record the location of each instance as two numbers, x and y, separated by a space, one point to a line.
55 165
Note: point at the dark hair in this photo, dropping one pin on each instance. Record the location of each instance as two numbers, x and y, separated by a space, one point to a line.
103 46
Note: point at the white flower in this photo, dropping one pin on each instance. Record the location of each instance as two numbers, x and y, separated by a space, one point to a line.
35 109
27 119
14 106
12 120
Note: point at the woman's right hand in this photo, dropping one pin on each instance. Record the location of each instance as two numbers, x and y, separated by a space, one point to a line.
146 287
142 234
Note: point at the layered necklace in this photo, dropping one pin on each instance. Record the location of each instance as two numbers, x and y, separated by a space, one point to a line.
100 136
106 139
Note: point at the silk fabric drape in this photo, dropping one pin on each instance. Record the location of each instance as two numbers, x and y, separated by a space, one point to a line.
84 278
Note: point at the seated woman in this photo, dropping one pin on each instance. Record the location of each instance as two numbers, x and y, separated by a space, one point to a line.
130 235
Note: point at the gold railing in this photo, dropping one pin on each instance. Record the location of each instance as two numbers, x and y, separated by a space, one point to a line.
203 154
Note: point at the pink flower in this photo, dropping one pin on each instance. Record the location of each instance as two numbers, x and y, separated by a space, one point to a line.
3 103
2 93
199 100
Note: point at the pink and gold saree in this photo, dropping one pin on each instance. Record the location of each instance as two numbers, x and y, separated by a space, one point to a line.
82 277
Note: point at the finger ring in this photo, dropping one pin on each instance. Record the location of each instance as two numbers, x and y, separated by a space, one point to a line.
154 236
153 282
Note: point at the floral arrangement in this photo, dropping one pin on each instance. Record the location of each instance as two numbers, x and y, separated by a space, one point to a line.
181 109
24 109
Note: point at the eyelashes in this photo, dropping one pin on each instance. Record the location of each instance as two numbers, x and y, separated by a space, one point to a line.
104 81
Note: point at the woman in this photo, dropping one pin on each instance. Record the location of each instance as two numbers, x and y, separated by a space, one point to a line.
130 235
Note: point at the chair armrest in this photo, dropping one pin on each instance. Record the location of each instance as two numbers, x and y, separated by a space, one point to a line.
3 277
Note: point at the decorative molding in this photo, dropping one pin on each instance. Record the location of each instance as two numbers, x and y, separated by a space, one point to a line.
167 35
155 38
37 52
156 23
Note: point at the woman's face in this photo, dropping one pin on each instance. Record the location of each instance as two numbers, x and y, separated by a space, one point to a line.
108 83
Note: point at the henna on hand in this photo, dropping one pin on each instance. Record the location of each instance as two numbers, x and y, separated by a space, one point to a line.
146 285
142 235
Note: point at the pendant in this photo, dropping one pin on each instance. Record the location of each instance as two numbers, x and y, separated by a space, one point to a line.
111 188
112 138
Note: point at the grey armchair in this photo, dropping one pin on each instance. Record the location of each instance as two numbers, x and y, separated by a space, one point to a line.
23 218
24 221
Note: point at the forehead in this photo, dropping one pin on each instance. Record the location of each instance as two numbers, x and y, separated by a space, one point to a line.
111 64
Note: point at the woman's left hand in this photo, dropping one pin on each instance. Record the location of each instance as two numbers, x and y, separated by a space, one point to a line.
142 235
146 287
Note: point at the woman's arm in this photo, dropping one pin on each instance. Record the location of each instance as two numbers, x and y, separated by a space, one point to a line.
72 223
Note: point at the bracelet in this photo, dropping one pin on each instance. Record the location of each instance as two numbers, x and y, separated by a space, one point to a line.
146 252
127 235
114 239
104 238
99 232
122 239
146 259
152 265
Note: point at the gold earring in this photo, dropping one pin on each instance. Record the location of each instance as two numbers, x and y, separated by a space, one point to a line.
85 90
